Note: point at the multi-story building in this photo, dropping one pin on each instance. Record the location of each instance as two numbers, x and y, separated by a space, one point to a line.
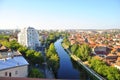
29 37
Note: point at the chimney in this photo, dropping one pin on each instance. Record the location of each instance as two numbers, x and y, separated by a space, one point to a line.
5 59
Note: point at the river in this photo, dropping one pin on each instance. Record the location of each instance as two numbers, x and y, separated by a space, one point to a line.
68 69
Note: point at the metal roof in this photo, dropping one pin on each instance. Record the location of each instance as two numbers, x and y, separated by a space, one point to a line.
12 62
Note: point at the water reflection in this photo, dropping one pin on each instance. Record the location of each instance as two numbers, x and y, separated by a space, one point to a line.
68 68
83 74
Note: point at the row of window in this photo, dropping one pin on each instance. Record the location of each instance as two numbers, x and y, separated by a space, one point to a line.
9 74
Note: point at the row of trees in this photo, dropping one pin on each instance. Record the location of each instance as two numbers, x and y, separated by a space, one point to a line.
13 45
52 37
66 42
4 37
111 73
32 56
52 58
83 51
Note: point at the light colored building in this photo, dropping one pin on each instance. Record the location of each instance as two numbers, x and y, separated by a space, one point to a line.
29 37
117 66
13 64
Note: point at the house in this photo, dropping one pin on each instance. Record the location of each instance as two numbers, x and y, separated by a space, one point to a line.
111 58
13 64
3 48
117 64
100 50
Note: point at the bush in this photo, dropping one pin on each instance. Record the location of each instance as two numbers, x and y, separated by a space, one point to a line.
35 73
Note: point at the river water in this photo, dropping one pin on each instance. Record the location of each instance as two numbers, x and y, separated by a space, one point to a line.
68 69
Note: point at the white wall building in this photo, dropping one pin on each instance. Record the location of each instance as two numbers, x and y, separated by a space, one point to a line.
12 64
29 37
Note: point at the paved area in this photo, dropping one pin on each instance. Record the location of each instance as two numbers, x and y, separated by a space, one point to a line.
48 73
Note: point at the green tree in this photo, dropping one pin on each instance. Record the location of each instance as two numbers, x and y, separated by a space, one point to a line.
83 51
4 37
52 48
37 58
5 43
111 73
52 58
35 73
74 47
110 77
66 42
23 50
14 45
117 76
54 62
49 53
30 54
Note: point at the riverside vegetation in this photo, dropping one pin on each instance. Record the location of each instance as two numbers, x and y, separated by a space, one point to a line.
52 58
84 52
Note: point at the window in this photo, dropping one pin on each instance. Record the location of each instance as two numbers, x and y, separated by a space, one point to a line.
10 74
5 73
16 72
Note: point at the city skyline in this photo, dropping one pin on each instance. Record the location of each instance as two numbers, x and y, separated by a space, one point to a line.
62 14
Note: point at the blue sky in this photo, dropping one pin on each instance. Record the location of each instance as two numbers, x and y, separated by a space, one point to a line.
60 14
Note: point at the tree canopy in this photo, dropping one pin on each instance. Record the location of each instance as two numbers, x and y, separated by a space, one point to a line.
66 42
35 73
111 73
83 51
14 45
52 58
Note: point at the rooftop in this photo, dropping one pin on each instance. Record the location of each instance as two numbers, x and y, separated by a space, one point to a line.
6 54
16 78
12 62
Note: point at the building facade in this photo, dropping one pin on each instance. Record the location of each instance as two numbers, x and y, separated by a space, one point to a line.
29 37
21 71
13 64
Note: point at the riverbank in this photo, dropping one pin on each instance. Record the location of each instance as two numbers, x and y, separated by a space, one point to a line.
75 58
66 69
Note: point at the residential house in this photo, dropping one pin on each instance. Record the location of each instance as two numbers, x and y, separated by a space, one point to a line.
13 64
100 50
111 58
